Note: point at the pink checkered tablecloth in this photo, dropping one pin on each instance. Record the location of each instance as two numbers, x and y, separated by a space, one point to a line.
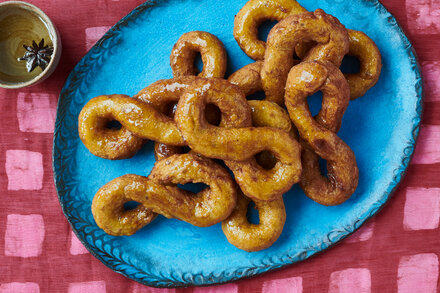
397 251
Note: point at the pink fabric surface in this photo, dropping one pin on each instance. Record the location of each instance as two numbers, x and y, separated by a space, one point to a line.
396 251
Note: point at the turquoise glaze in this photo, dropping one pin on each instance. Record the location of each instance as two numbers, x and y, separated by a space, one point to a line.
380 127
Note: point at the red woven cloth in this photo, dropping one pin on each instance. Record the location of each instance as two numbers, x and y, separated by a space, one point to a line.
397 251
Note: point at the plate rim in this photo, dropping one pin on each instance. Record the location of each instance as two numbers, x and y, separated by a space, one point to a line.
333 237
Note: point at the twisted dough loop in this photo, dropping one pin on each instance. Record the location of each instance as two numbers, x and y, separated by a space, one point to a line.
331 44
145 116
182 60
254 13
366 51
319 135
206 139
109 212
255 180
254 237
159 194
139 118
211 50
363 48
206 208
237 140
164 96
101 140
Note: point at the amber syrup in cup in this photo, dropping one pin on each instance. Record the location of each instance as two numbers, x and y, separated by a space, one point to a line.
18 27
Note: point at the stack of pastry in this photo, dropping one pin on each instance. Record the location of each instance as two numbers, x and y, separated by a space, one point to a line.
268 145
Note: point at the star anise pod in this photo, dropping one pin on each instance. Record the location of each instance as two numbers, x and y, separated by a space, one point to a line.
36 55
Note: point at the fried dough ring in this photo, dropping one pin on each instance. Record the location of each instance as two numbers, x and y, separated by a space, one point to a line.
162 151
136 116
122 143
360 45
236 140
326 31
164 96
252 15
153 109
185 51
255 181
319 133
109 212
363 48
99 139
366 51
263 114
206 208
159 194
254 237
262 177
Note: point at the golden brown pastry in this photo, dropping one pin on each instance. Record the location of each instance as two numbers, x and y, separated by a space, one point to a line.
236 139
252 15
331 44
257 182
248 78
262 177
139 121
164 96
254 12
366 51
210 48
254 237
319 134
108 206
162 151
158 193
363 48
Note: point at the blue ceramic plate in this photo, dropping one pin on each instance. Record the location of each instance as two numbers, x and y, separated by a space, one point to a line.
380 127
